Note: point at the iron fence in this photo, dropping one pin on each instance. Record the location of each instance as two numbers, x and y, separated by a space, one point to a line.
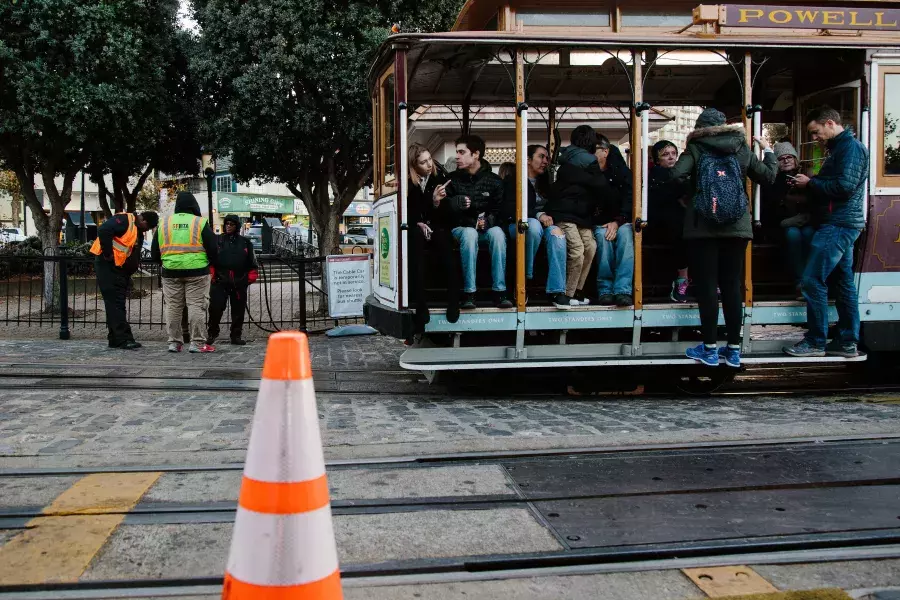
289 294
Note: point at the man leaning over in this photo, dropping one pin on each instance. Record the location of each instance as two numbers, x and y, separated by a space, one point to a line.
186 246
117 239
837 194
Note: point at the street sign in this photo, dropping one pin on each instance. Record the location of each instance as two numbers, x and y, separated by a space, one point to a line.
349 282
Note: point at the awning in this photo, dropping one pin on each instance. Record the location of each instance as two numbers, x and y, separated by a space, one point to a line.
75 218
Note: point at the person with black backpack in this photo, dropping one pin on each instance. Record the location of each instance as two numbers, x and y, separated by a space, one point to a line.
717 225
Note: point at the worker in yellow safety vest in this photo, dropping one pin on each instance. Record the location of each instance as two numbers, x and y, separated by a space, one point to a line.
118 251
186 246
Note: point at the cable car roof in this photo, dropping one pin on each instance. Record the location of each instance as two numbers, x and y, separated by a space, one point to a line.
466 68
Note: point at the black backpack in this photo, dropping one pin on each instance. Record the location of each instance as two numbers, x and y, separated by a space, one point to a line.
720 196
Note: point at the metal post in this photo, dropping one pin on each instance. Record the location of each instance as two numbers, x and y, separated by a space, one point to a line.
83 224
63 301
302 300
209 183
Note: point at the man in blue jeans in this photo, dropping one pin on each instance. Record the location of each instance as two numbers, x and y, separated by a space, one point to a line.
475 194
837 195
613 230
540 227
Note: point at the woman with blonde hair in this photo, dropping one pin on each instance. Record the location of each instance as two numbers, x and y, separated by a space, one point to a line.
432 232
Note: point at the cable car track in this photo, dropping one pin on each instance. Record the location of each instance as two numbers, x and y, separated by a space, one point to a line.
872 539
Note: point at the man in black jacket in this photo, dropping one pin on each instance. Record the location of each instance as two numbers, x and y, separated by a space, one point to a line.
579 190
475 194
113 279
234 271
613 231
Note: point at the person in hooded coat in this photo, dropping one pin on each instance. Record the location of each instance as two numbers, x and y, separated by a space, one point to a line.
186 246
717 250
235 270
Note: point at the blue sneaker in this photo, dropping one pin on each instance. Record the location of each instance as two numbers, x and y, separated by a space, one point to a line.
732 356
804 349
707 356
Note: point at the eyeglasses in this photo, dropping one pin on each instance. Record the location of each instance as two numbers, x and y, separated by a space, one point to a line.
785 158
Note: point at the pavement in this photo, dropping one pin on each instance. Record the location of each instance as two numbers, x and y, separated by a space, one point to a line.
196 411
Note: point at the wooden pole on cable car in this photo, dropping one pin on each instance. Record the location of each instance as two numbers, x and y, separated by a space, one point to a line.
636 176
521 191
748 127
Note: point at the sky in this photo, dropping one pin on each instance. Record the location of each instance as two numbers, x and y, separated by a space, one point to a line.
184 16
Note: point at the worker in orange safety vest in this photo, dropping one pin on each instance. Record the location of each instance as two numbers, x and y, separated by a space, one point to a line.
118 252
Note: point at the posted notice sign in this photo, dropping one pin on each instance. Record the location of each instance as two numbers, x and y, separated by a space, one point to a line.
349 282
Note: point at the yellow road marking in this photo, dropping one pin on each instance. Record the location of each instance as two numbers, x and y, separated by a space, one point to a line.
824 594
59 546
720 582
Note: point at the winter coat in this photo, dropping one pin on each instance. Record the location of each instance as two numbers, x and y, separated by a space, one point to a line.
721 139
186 203
664 210
781 200
619 176
484 189
580 190
839 190
421 203
508 208
234 257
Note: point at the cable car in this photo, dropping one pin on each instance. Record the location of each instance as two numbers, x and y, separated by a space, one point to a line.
764 66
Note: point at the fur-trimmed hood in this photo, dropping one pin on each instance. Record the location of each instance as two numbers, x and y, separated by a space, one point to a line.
721 138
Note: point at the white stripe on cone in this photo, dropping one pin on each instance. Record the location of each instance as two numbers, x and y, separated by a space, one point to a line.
285 443
276 550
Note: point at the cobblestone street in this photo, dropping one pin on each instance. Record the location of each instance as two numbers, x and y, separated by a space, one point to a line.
386 415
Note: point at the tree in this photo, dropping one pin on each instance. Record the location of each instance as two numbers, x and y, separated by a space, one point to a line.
161 136
285 91
72 74
9 185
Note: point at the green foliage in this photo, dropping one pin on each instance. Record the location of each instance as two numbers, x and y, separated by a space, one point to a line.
285 88
81 81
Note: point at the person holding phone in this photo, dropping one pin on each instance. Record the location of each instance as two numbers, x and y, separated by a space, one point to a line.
431 234
791 210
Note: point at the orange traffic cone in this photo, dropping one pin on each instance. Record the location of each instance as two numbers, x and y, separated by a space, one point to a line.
283 542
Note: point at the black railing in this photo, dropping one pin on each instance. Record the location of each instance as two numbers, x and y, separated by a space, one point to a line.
289 294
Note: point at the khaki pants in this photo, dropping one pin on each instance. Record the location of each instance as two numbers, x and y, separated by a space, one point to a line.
193 291
580 250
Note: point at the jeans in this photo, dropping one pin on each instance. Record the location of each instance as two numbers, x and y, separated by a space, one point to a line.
556 253
615 261
719 262
831 251
798 240
468 239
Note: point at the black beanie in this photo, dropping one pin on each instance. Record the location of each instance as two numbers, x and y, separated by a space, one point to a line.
710 117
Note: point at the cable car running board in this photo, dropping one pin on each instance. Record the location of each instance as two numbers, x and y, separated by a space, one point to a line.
498 357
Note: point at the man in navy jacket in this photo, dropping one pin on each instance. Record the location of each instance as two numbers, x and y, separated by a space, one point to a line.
837 195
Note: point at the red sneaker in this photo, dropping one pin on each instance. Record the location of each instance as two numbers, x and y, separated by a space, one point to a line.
201 348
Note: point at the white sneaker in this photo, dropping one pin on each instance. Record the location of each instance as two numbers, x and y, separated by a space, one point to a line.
174 347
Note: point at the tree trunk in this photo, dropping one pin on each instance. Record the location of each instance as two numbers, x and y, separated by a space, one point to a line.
330 235
16 201
101 195
50 241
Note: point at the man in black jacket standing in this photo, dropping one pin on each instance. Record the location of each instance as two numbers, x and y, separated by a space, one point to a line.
235 270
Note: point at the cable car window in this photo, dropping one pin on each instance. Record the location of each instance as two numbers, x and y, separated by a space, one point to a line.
547 18
389 142
891 138
655 19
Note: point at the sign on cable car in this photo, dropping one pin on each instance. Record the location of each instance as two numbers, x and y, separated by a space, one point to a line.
806 17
